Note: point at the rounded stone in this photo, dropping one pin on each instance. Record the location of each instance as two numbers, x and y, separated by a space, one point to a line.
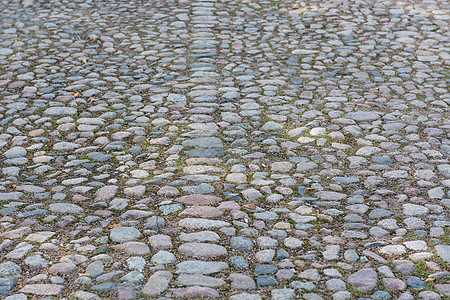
272 126
265 256
6 51
95 268
124 234
35 262
15 152
136 263
351 256
394 284
342 295
10 269
66 208
155 222
381 295
416 283
430 295
285 274
265 269
202 250
242 282
60 111
364 280
239 262
240 243
336 285
283 294
265 280
163 257
293 243
6 285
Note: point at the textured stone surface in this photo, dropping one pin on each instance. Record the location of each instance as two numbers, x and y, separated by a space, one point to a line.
202 250
42 289
6 285
224 149
157 283
443 251
364 280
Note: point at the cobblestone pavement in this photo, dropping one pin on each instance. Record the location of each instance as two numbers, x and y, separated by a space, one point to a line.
231 149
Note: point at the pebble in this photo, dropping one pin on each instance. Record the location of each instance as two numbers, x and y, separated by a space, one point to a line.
6 51
20 296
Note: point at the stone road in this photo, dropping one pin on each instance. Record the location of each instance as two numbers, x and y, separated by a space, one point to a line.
232 149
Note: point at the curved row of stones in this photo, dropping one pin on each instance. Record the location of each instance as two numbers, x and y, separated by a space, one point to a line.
224 149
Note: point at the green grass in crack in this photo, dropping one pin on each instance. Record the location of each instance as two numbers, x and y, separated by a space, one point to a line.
422 269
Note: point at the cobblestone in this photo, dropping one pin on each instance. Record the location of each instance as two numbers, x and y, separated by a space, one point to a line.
224 149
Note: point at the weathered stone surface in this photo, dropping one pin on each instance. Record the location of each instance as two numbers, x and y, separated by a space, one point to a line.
196 223
394 284
42 289
364 280
10 269
64 268
66 208
157 283
6 285
201 267
160 241
60 111
198 199
242 282
124 234
334 196
195 292
199 280
202 250
82 295
241 244
393 250
201 211
290 144
132 248
443 251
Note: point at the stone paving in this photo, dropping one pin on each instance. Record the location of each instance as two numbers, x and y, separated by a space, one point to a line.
231 149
